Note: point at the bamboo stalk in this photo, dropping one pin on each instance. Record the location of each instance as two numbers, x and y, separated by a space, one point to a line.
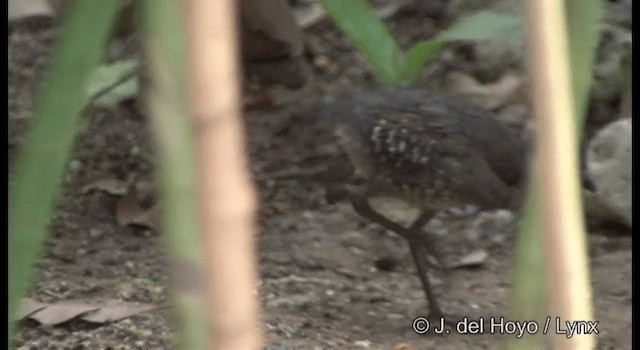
569 294
226 196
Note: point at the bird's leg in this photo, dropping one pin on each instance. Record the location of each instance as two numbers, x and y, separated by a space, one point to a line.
415 239
361 206
412 234
417 242
423 274
425 239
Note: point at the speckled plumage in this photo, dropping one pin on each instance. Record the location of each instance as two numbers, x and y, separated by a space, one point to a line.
429 149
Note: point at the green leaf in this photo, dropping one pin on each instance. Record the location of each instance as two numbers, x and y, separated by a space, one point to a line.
40 167
106 76
484 25
584 18
417 57
370 35
528 291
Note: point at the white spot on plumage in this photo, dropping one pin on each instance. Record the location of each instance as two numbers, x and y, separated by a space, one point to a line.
402 146
375 137
391 136
415 154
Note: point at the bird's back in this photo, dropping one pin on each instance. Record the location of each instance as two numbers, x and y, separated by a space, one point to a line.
427 148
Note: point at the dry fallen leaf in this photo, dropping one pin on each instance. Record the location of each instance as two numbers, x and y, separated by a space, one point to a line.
111 186
61 312
29 306
307 16
113 310
131 210
363 344
403 346
473 259
19 9
90 311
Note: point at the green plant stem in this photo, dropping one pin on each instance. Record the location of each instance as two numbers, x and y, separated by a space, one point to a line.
173 131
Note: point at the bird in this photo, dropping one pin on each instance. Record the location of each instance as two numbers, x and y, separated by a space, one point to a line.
431 150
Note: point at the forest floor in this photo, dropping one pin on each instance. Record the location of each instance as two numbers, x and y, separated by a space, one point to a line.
329 279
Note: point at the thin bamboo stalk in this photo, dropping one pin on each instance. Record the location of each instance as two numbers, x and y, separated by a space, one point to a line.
567 271
226 195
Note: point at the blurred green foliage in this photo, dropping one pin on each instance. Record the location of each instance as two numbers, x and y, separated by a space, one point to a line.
41 165
395 67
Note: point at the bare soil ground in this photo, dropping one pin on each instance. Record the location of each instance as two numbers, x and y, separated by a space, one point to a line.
330 280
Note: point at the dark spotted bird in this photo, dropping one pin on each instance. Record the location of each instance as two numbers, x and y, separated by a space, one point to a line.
430 150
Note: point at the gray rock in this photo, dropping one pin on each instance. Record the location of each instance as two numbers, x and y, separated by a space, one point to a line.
609 166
